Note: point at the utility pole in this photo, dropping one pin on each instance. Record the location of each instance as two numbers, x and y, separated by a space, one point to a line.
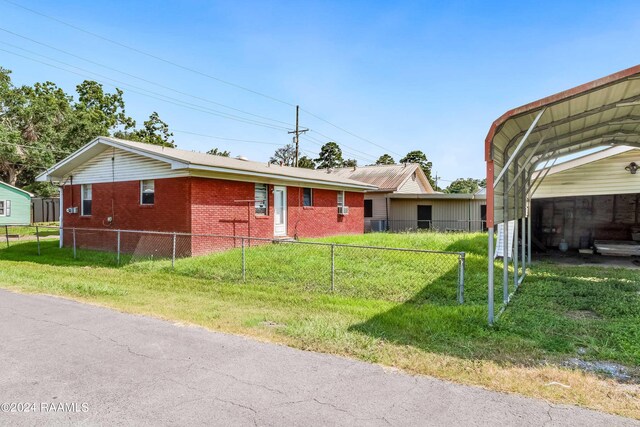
297 133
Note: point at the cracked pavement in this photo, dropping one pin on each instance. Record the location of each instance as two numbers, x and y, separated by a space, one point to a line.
139 370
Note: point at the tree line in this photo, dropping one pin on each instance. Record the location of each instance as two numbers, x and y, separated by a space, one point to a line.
42 124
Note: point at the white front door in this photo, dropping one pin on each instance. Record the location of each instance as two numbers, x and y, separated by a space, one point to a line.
279 211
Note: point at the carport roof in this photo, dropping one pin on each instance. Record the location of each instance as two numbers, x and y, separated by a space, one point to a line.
604 112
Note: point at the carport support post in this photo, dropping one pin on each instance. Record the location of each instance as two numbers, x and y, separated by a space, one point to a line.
505 244
529 232
516 222
73 231
6 234
38 239
490 233
461 279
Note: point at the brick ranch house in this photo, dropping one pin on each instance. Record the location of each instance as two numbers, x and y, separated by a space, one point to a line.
116 184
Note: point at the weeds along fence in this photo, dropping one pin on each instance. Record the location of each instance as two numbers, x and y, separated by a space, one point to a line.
433 225
394 274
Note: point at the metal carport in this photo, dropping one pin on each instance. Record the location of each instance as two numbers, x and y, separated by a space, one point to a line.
604 112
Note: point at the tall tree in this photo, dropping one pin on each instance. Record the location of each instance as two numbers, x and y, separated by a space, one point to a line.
464 186
216 152
330 156
385 159
155 131
41 124
306 163
419 157
285 156
350 163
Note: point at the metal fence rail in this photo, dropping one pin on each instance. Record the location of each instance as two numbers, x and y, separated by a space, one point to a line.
395 274
436 225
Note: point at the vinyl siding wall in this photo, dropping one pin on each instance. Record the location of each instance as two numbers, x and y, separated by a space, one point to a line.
601 177
20 206
125 166
446 214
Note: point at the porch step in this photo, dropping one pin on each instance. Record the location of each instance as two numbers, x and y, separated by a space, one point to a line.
284 239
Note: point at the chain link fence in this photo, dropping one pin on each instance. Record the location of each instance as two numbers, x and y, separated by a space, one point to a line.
394 274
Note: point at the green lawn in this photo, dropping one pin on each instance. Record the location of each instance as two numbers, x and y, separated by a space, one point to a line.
382 310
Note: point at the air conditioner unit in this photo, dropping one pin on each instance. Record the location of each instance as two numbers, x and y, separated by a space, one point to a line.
343 210
72 210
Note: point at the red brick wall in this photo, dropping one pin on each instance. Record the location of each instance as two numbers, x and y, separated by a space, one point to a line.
322 218
204 206
121 200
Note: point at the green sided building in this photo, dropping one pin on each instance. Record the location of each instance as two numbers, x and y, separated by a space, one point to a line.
15 205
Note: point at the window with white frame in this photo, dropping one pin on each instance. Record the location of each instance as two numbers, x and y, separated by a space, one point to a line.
340 199
86 199
307 197
5 207
261 198
147 192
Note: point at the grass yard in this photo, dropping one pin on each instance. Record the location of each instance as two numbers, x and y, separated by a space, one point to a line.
385 312
46 229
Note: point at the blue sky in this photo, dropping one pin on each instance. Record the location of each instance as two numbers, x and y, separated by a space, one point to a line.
406 75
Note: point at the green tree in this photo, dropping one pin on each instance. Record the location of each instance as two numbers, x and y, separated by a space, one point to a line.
217 152
306 163
41 124
284 155
419 157
464 186
330 156
155 131
385 159
350 163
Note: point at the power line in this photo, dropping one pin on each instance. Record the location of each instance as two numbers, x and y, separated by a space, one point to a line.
351 133
349 151
223 114
150 55
158 58
108 67
226 139
175 101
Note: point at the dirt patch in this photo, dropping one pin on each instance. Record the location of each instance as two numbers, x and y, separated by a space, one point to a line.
271 324
582 314
612 370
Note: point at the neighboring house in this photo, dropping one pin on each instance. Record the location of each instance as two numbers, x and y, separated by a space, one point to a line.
117 184
15 205
389 180
404 200
438 211
568 206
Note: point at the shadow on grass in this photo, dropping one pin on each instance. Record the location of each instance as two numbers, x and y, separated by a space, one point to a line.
559 313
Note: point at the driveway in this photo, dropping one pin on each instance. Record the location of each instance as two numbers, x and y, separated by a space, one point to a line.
71 362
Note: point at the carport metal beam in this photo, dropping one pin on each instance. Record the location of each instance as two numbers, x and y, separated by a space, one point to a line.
522 142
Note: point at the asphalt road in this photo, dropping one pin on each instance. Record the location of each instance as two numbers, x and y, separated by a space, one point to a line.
113 368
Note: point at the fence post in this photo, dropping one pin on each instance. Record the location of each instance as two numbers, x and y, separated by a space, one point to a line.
244 262
173 252
118 249
74 243
333 267
38 239
461 278
6 233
